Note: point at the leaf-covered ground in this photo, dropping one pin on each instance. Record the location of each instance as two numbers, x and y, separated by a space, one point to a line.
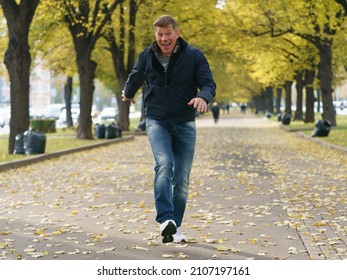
257 192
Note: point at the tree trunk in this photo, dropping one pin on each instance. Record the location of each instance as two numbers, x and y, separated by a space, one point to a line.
86 70
298 115
68 97
123 117
262 101
326 79
118 56
318 100
121 74
85 16
124 120
310 99
18 60
255 101
278 100
288 98
269 100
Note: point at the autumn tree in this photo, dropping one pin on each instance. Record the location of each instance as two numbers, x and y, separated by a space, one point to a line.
122 48
18 61
85 20
54 48
325 21
318 23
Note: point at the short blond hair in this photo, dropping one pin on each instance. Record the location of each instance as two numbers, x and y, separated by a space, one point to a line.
164 21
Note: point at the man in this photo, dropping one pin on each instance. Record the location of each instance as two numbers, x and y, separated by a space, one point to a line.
173 71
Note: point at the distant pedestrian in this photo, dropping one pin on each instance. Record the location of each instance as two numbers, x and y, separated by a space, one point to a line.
215 111
227 107
179 84
243 108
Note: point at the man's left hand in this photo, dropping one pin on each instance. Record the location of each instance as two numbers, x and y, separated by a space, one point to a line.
199 104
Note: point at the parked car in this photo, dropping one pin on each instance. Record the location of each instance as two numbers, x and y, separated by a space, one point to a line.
35 113
53 111
108 113
75 112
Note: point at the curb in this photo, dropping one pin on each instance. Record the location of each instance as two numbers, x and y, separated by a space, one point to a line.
313 139
38 158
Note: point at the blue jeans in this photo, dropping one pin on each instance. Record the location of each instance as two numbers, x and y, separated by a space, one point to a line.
173 148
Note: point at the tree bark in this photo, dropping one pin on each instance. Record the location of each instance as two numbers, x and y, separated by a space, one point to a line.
288 98
68 97
278 100
261 101
310 99
118 55
86 70
269 100
298 115
80 21
326 78
256 105
318 100
18 60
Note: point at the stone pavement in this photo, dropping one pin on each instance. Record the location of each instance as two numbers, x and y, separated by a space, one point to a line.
257 192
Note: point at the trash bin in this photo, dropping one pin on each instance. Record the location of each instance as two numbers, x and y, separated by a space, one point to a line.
322 128
19 144
34 142
268 114
99 131
113 131
286 119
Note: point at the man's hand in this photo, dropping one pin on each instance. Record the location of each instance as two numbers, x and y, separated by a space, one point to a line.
199 104
124 98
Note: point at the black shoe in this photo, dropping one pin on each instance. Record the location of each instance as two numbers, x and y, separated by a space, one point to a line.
168 229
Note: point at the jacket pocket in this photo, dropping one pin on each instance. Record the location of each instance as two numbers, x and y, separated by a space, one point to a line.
147 91
155 100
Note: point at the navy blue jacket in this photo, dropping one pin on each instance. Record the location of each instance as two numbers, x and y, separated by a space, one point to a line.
166 93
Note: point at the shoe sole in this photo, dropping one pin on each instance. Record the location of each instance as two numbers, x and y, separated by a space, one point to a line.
168 232
180 241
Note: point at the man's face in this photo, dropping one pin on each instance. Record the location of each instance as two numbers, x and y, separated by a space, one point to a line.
166 38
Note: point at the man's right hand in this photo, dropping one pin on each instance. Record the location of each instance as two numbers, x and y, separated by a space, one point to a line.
124 98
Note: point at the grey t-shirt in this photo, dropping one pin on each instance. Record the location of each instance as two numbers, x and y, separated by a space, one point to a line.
164 61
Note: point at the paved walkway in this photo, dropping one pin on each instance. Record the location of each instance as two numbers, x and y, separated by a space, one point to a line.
257 192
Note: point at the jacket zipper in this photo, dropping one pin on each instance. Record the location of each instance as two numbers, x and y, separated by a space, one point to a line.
165 70
166 85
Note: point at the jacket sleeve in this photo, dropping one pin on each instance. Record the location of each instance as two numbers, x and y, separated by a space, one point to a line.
204 78
136 77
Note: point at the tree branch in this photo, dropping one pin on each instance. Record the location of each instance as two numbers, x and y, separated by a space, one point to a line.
95 14
107 18
343 3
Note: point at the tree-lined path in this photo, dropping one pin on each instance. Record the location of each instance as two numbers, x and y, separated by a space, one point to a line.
257 192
